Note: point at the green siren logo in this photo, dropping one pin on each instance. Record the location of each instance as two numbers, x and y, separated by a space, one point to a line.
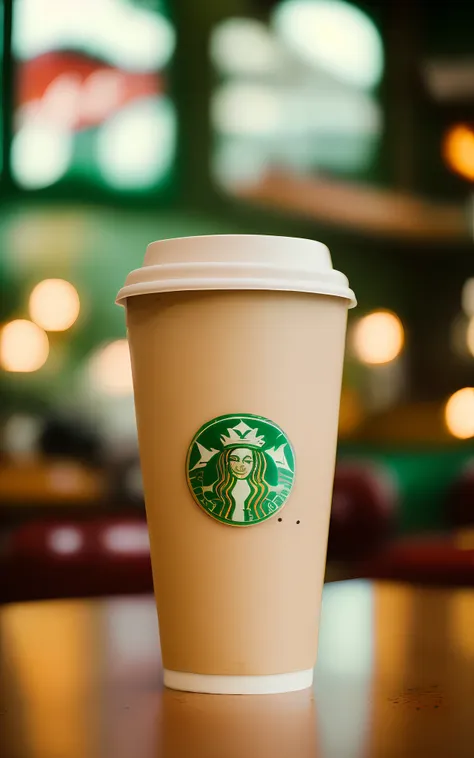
240 469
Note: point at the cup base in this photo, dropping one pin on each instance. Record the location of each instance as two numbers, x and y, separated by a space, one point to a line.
238 685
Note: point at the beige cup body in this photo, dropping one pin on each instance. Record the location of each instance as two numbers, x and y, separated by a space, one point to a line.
239 601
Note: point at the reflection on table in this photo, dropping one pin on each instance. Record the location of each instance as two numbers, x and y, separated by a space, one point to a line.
394 678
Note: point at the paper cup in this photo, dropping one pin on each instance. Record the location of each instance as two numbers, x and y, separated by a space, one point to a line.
237 386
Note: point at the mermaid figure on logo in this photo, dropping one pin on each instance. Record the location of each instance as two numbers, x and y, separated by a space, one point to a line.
241 492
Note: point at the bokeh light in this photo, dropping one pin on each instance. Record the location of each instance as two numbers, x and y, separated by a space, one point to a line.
54 305
41 154
125 34
459 413
243 46
246 109
66 540
24 346
136 148
458 150
334 36
378 337
110 369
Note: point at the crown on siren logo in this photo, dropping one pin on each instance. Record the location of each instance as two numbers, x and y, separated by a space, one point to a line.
242 435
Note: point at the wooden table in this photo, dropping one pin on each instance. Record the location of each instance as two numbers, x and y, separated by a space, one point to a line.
395 679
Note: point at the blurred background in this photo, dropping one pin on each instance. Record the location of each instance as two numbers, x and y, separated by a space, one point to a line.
126 121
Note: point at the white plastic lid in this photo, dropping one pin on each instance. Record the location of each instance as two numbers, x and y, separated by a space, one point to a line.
237 262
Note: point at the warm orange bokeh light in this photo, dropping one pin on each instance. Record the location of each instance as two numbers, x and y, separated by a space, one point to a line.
24 346
458 150
378 337
459 413
54 305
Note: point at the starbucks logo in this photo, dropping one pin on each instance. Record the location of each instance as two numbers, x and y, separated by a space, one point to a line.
240 469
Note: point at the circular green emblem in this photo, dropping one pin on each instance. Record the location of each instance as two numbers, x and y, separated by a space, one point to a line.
240 468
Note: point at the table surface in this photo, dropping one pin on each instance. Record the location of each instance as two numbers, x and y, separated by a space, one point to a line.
395 679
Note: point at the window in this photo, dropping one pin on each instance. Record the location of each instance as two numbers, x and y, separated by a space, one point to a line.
92 101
